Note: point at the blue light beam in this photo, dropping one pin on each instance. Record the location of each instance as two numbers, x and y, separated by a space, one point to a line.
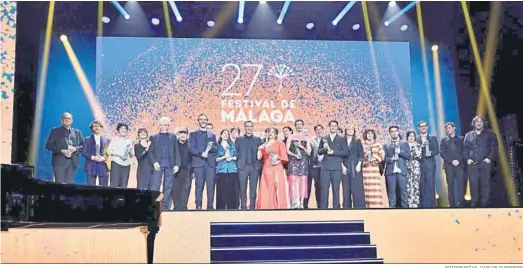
175 11
343 12
401 12
121 9
241 9
283 12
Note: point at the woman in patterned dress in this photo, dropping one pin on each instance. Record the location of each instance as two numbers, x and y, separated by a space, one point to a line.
373 182
298 150
413 170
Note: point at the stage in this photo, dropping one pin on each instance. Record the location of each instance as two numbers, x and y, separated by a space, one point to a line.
401 236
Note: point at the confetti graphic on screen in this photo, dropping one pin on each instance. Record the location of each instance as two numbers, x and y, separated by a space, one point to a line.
272 82
7 60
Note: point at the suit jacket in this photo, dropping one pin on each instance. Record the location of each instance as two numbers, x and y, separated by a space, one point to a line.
242 150
155 150
341 151
197 145
429 163
88 151
404 155
355 155
448 154
57 141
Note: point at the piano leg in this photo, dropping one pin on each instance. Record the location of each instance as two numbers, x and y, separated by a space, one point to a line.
151 232
150 243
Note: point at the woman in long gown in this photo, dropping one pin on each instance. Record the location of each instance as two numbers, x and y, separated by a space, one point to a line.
373 181
145 168
413 170
273 191
298 150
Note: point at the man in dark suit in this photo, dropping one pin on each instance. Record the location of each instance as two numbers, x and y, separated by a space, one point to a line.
164 154
429 149
93 151
182 179
65 143
480 151
451 150
314 168
334 149
203 148
352 179
248 165
397 152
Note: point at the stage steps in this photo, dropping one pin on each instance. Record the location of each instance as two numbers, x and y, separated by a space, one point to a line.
292 242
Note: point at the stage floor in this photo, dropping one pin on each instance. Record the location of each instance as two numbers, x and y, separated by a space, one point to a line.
401 236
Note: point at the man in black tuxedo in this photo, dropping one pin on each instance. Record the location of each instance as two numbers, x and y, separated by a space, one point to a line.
248 165
334 149
429 149
352 179
397 152
451 150
164 154
65 143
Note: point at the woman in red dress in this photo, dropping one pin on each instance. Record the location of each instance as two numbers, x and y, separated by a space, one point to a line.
273 192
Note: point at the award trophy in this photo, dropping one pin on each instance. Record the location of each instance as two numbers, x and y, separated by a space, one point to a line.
227 153
126 153
427 148
97 149
298 151
326 146
369 154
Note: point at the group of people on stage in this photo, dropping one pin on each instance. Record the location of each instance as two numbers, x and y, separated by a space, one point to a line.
279 173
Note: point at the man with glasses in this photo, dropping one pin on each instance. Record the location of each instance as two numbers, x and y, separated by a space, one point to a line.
429 150
203 148
65 143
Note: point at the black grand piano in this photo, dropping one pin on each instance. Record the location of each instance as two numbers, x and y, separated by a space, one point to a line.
31 203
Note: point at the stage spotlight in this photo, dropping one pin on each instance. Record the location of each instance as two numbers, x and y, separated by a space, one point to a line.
356 26
334 22
404 27
106 19
63 37
263 2
127 16
392 3
310 25
387 23
279 21
155 21
434 47
211 23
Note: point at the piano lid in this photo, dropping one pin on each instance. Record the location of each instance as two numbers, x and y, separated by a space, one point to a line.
33 203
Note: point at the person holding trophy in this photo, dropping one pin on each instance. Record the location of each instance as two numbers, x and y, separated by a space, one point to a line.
373 182
227 183
121 151
273 190
203 148
298 150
